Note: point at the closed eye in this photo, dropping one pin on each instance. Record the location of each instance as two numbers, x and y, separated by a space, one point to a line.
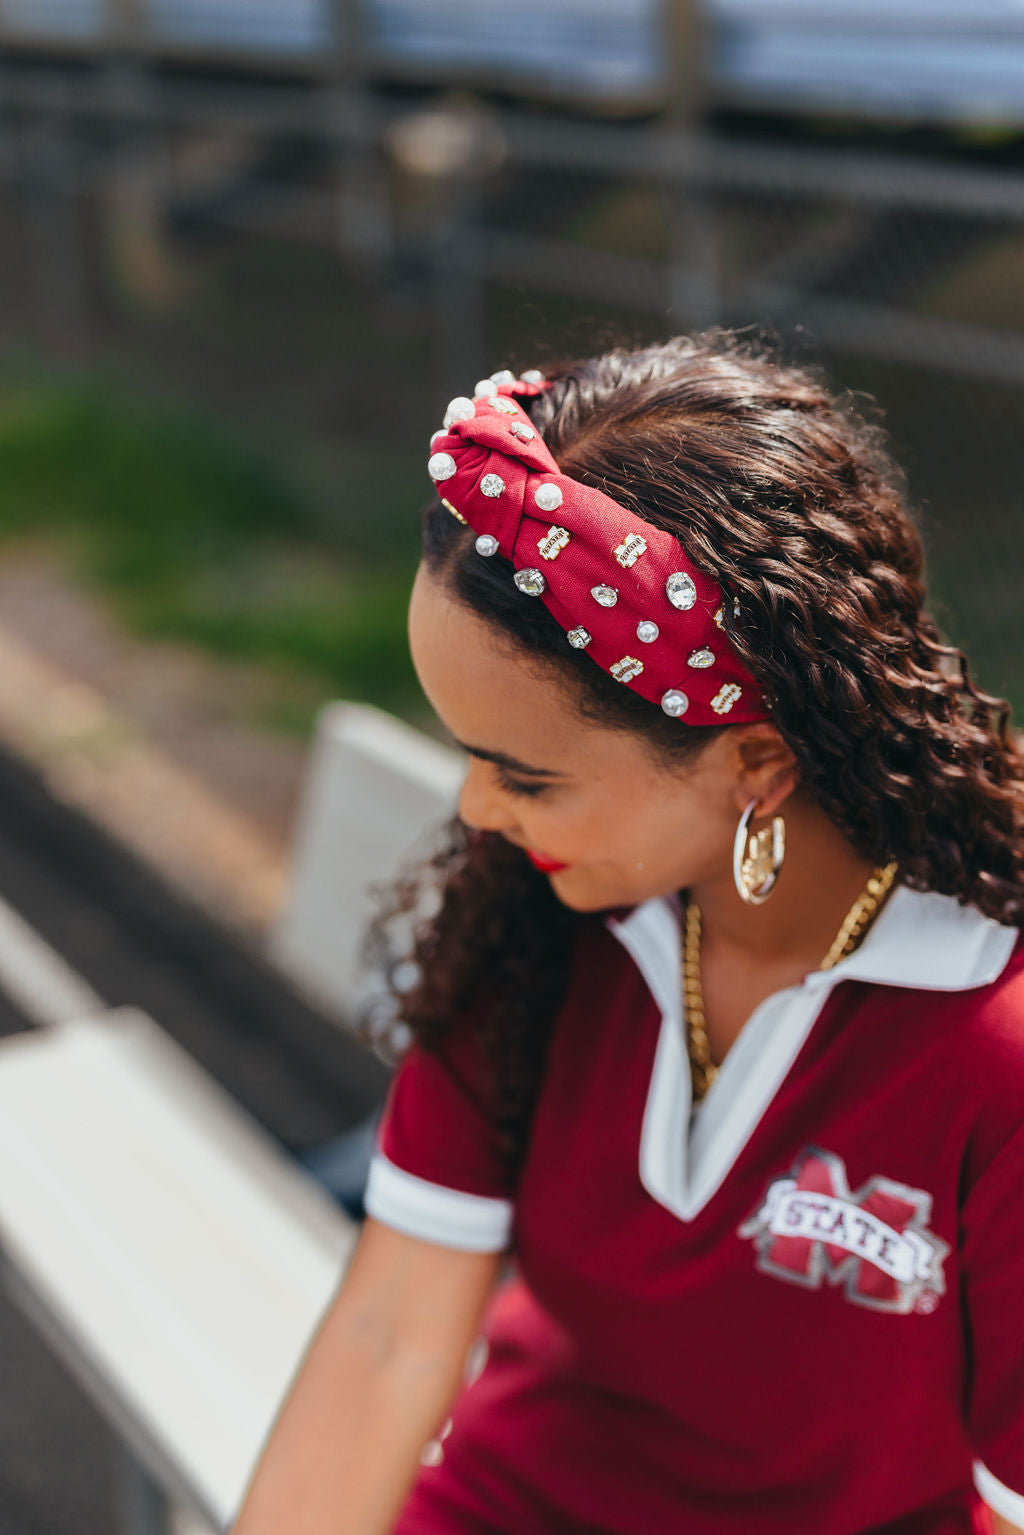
517 786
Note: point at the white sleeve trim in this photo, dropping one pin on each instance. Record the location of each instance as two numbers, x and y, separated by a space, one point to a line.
1009 1505
434 1213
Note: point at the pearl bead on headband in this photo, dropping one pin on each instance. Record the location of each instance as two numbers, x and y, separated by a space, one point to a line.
623 591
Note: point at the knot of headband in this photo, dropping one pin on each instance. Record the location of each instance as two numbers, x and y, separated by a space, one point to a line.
623 591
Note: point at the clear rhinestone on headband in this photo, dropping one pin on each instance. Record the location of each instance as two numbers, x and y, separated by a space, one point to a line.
675 702
503 376
459 409
440 466
680 591
647 631
548 497
487 545
504 404
579 638
522 431
701 658
626 669
607 596
530 581
492 485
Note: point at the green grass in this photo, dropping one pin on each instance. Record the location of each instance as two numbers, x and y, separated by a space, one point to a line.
194 535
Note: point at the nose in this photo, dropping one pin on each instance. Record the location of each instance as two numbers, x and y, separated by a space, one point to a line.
481 802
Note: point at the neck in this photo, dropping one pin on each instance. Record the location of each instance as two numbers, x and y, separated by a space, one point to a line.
821 877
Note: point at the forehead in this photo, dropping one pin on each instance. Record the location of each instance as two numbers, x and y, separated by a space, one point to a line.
492 694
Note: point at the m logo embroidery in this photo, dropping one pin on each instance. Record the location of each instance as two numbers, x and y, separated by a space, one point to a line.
876 1243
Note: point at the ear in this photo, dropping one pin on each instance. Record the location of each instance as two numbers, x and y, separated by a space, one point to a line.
766 769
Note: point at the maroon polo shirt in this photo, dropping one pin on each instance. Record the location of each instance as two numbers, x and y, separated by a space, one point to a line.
797 1308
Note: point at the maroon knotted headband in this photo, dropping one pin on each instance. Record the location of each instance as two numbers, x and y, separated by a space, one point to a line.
622 590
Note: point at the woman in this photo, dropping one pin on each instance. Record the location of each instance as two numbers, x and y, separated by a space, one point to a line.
768 1245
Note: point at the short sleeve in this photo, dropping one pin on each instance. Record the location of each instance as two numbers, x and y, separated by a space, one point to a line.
437 1172
993 1260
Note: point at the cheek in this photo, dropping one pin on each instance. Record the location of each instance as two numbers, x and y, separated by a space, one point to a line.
618 824
606 829
661 832
562 825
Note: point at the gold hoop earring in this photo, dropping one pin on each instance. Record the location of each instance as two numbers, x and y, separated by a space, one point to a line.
756 865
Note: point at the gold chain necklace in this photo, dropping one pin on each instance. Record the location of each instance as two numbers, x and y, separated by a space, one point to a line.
851 931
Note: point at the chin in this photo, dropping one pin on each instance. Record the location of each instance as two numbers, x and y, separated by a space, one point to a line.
570 892
578 898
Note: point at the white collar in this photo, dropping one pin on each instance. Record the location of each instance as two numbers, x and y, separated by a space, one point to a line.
919 939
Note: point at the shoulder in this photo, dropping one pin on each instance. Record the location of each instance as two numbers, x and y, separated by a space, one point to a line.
983 1034
999 1005
463 1046
947 987
961 962
991 1033
989 1002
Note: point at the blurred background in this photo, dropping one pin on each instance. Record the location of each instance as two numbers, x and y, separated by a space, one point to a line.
249 249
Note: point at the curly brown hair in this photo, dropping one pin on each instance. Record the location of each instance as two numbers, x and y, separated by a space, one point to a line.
788 495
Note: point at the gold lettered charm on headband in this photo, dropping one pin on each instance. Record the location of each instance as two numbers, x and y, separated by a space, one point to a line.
553 542
626 669
629 551
727 695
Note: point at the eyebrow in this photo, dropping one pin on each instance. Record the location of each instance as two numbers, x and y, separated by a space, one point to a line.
513 764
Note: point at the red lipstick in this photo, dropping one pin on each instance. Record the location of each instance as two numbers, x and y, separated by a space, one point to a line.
545 865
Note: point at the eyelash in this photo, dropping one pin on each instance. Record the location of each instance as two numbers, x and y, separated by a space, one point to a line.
516 786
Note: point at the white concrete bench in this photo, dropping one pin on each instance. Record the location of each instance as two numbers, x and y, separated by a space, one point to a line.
173 1256
374 787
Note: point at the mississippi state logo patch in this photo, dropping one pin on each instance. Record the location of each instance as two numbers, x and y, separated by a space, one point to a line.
875 1243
